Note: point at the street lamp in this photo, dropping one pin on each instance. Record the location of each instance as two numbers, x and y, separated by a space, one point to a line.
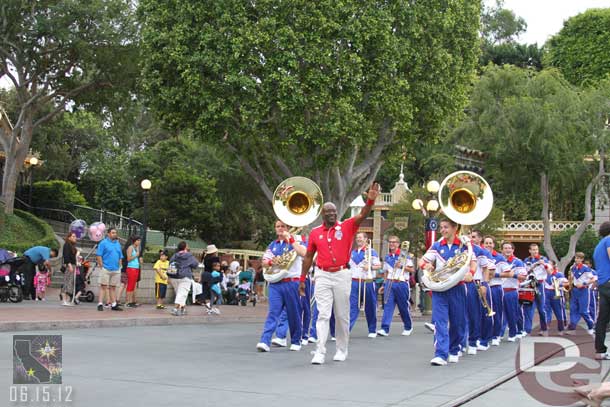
146 185
428 208
30 163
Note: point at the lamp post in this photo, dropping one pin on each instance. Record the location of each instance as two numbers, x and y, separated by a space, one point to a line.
146 185
428 209
31 163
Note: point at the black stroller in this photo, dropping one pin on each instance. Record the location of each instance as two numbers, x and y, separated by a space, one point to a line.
11 279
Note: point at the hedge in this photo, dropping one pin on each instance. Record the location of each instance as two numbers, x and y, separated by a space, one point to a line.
47 239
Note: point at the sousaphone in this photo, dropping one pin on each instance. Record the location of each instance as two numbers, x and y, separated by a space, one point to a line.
297 201
466 199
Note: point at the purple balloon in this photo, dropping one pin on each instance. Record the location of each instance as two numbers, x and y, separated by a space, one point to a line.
78 227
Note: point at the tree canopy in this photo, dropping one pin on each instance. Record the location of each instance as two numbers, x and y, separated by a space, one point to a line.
580 49
321 89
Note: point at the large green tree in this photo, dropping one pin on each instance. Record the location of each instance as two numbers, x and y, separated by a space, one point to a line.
323 89
58 54
580 50
538 129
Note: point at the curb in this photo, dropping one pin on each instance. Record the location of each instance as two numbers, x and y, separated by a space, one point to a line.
20 326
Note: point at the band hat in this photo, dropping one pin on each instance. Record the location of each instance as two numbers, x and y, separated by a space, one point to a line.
211 249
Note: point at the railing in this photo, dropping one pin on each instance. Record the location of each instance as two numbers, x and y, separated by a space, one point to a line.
537 226
384 198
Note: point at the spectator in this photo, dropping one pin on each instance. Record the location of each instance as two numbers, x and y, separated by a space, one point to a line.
69 267
41 281
230 278
34 256
109 259
79 280
259 284
235 267
181 278
601 258
133 270
160 268
207 281
210 257
216 292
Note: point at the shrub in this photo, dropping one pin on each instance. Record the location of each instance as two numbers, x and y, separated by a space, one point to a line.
56 194
31 231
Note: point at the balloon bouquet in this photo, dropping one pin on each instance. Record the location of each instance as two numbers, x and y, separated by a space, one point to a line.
96 232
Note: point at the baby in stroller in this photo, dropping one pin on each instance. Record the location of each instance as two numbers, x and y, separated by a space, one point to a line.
244 292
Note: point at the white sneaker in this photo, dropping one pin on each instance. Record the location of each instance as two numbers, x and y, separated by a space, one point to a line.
512 338
407 332
382 332
472 350
437 361
312 340
453 359
430 327
519 336
495 342
279 342
295 348
340 356
262 347
332 338
460 354
523 334
482 347
318 359
591 332
372 335
304 342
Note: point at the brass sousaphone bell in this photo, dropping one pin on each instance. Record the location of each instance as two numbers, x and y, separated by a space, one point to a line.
297 202
465 198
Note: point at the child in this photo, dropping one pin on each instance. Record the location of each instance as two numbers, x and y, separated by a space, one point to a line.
217 292
41 281
160 268
208 280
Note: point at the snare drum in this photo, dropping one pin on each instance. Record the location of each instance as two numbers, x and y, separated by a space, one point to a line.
527 296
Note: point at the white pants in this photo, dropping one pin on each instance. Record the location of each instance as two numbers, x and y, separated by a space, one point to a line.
333 290
181 288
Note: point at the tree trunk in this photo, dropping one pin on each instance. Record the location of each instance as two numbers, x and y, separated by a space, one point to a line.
19 144
563 263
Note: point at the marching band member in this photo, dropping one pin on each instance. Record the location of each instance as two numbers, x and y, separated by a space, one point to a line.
579 302
474 305
593 292
285 293
495 286
447 306
555 305
396 289
539 266
363 285
510 286
333 242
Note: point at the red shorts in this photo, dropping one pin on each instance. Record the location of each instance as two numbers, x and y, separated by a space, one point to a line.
132 278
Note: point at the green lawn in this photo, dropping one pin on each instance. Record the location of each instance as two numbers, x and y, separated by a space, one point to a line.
20 232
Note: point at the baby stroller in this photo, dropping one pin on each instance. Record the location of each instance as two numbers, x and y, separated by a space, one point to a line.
11 280
86 293
245 294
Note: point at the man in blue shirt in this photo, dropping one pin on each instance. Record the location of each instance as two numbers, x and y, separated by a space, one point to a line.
110 260
601 258
34 256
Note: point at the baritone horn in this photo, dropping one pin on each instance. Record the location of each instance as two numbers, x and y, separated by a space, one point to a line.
466 199
297 201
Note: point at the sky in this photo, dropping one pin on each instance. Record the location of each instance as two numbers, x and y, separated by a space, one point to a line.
545 18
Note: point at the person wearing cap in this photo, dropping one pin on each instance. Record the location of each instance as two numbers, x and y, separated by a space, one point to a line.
210 257
160 268
333 242
283 294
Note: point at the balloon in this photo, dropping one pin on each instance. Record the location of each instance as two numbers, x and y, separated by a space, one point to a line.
79 228
96 231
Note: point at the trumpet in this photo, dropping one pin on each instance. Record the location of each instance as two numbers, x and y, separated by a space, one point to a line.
483 297
557 288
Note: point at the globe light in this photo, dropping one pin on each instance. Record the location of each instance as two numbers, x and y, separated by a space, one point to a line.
417 204
146 184
432 205
433 186
33 161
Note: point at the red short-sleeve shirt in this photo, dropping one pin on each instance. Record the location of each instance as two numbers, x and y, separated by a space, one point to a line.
333 244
